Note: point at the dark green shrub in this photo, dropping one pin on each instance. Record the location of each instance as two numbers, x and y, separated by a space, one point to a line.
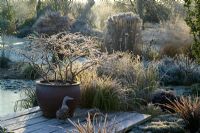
4 62
3 130
193 20
4 25
152 11
51 23
155 12
161 98
28 22
30 72
196 89
26 28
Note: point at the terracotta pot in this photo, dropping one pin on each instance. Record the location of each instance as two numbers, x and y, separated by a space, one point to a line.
50 97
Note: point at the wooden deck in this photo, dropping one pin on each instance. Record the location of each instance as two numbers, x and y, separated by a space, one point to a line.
32 121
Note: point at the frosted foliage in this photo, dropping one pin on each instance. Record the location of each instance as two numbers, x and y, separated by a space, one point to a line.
123 32
180 70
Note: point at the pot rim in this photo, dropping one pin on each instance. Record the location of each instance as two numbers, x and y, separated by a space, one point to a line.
42 82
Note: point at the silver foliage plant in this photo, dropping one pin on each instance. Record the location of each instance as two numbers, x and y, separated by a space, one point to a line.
180 70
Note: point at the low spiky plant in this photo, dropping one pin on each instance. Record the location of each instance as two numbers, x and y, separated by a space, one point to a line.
29 72
150 109
188 108
100 92
29 100
109 94
93 125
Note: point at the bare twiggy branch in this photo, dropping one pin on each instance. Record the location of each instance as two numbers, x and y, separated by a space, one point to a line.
56 56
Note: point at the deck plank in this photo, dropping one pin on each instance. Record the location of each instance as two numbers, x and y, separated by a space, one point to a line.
52 123
38 126
32 121
19 114
131 121
21 119
68 126
26 123
112 119
119 122
59 127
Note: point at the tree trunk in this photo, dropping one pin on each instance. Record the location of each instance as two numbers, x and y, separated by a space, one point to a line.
38 8
140 6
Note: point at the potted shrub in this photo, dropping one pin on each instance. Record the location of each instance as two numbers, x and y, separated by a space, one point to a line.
59 59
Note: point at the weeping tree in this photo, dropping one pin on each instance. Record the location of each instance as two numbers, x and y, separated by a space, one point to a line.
193 20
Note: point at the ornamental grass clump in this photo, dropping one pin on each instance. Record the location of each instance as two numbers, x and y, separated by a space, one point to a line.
93 125
139 76
29 101
55 57
29 72
103 93
109 94
122 32
120 66
188 109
